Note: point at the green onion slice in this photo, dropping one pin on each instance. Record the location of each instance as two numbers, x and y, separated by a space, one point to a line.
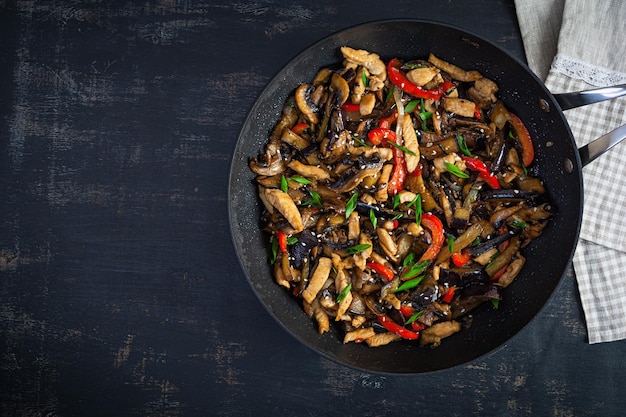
414 270
414 317
283 184
455 170
409 260
424 115
300 180
314 201
402 148
359 141
463 145
358 248
373 218
411 105
389 94
411 65
412 283
396 201
520 224
417 206
273 250
351 204
342 295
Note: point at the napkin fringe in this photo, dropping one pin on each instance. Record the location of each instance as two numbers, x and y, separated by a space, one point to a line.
584 71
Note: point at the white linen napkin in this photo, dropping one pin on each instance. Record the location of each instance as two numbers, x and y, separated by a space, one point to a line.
577 45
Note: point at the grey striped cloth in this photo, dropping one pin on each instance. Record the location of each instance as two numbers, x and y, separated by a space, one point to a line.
577 45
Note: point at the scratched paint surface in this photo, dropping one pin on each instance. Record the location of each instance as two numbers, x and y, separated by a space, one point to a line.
120 292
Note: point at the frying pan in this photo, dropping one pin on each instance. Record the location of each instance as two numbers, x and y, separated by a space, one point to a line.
558 163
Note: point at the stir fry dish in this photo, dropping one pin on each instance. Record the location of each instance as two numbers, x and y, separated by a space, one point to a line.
398 196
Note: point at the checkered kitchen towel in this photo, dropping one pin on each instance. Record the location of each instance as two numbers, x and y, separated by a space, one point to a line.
577 45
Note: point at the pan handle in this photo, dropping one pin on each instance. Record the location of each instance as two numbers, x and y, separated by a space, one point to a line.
594 149
581 98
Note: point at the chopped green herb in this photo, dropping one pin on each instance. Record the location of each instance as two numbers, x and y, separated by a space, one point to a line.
414 270
389 94
496 303
411 65
396 201
424 115
417 203
397 216
342 295
411 105
412 283
358 248
450 91
408 260
493 258
373 218
300 180
359 141
283 184
455 170
292 240
519 223
414 317
463 145
402 148
364 80
314 201
351 204
273 250
451 243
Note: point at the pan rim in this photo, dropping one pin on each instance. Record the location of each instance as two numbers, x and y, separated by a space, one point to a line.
249 117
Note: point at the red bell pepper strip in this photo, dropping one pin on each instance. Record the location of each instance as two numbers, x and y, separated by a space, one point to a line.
351 107
381 269
299 128
417 326
528 150
417 172
445 86
461 258
406 310
476 111
398 79
432 223
480 167
282 242
386 122
449 294
380 136
393 327
398 174
499 274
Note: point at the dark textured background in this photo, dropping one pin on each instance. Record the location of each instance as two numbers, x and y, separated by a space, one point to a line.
120 291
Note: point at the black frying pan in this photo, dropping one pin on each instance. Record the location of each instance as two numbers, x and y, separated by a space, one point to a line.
557 159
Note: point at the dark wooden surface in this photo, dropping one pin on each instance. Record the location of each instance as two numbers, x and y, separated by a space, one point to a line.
120 291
